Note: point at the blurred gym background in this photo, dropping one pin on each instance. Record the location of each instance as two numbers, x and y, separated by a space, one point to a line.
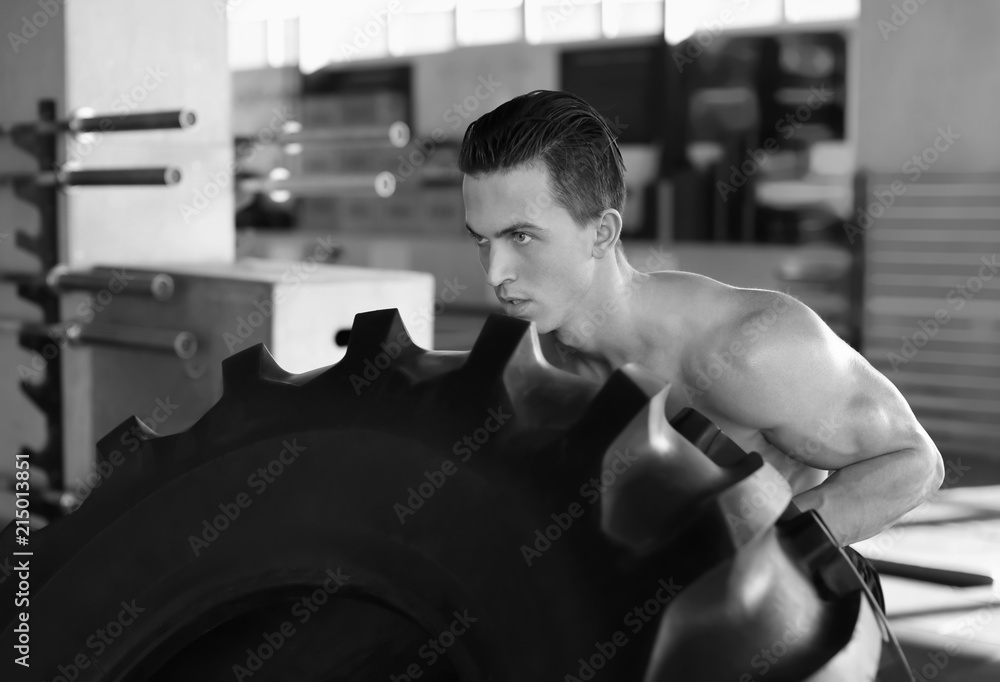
303 153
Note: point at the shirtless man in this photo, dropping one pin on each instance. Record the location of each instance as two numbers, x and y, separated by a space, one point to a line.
544 191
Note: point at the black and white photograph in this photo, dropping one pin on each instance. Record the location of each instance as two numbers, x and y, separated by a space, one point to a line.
499 340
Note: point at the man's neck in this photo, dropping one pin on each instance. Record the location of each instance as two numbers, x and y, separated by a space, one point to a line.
607 329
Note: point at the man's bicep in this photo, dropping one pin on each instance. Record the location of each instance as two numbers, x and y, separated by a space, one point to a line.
810 394
860 416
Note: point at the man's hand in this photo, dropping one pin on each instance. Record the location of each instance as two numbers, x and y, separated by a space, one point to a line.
816 399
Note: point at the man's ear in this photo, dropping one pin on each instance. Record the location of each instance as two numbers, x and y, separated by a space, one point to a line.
608 231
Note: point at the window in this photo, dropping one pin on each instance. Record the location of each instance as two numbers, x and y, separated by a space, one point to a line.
549 21
478 22
684 18
343 32
829 10
422 26
632 17
261 34
314 33
247 44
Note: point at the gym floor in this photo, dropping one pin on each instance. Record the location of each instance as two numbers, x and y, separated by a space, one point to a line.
948 633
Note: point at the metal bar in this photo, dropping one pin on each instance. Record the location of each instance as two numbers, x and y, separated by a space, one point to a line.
183 344
23 278
152 120
35 329
938 576
383 184
158 285
397 134
106 123
167 175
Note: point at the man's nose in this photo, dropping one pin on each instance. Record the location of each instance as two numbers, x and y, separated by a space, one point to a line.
497 266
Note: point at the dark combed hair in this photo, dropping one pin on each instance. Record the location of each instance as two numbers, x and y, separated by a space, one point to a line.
579 149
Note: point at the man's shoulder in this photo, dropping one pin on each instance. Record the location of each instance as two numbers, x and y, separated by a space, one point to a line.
718 318
705 305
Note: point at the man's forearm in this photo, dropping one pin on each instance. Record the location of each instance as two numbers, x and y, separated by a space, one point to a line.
863 499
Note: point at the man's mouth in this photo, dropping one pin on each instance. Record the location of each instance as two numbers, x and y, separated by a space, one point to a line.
507 299
514 305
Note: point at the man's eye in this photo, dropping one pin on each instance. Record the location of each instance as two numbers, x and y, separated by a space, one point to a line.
476 238
522 234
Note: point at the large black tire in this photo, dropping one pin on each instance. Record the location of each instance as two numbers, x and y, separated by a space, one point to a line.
360 514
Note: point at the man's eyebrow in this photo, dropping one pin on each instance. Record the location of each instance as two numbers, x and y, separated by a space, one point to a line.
513 227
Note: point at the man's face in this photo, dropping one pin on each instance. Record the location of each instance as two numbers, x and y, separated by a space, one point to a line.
530 247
